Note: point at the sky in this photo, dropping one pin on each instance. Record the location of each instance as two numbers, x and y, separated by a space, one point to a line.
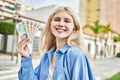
41 3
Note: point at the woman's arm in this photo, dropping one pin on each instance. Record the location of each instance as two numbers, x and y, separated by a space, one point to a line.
27 71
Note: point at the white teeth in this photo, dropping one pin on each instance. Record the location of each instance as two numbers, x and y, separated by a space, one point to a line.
60 30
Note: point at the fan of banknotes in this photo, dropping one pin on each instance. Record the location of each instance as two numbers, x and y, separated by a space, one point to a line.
27 29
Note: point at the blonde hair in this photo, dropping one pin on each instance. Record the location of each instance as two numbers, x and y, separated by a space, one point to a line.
49 40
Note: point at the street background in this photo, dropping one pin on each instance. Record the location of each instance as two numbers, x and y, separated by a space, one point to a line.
101 68
102 35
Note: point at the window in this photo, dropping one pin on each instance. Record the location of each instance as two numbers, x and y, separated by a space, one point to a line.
89 47
36 44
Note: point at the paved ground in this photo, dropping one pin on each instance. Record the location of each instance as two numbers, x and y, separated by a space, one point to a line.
106 68
101 68
8 68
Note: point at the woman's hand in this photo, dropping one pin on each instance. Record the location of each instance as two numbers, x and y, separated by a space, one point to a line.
22 47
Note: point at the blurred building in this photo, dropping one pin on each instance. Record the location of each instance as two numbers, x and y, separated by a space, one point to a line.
9 9
92 11
14 11
110 11
106 12
89 13
102 10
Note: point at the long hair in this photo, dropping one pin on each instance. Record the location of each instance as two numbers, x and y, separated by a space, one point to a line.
49 40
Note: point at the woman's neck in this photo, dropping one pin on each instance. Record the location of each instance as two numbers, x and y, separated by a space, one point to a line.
60 43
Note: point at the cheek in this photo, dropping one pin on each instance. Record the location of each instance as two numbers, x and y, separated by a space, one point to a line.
72 27
53 23
52 27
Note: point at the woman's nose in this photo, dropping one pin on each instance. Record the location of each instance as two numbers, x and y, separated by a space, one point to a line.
61 23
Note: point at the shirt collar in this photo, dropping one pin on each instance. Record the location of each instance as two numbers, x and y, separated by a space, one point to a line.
51 50
63 49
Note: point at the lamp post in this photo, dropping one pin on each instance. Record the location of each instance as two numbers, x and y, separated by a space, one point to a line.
101 41
18 7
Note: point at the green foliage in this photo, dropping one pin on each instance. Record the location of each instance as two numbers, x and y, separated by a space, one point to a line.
116 38
7 27
115 77
118 55
106 29
99 28
96 28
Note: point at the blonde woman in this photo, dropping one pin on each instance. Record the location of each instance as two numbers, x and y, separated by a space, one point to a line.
63 58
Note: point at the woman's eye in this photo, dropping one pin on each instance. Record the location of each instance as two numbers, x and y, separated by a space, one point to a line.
56 19
68 21
65 20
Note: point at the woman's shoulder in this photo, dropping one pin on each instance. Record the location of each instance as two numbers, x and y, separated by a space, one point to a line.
75 48
76 51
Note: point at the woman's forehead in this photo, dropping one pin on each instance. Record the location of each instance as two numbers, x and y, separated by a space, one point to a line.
62 14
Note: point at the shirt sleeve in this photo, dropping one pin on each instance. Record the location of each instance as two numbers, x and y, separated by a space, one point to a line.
80 66
26 71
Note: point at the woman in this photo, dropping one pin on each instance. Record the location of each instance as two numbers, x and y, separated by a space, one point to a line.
63 58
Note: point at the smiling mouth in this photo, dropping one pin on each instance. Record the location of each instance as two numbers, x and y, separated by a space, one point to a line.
61 30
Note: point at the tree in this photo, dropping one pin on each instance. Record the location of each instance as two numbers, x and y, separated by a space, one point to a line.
115 39
96 29
105 30
6 28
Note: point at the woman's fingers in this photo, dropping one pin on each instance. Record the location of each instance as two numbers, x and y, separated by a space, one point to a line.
23 41
22 47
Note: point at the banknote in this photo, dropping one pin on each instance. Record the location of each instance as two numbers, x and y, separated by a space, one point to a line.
31 28
22 32
27 29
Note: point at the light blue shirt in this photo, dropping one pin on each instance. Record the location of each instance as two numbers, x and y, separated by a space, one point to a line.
71 64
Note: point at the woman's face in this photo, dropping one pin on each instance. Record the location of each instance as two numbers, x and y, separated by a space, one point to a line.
62 25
